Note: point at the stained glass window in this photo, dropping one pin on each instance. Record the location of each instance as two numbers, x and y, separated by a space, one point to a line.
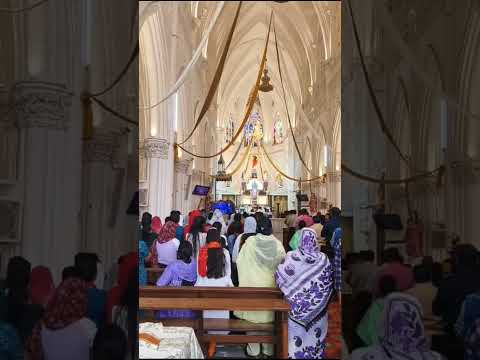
253 124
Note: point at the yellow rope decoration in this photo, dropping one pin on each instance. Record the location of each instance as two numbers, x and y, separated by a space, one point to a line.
242 161
250 104
285 102
285 175
438 171
216 79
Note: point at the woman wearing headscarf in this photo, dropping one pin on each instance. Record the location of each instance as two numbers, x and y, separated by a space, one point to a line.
367 329
64 331
156 225
306 279
250 229
164 249
295 240
256 263
114 298
401 333
192 215
218 216
41 286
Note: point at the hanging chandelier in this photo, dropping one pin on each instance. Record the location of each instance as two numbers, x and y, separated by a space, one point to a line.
265 86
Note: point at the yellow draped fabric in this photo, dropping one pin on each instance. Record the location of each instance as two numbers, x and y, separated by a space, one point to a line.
257 262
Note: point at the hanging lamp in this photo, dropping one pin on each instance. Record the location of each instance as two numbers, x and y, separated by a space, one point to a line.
265 85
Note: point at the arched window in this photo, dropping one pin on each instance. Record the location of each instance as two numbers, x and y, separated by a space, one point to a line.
254 125
229 129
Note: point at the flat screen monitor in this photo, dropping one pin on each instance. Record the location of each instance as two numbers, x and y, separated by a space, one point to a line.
201 190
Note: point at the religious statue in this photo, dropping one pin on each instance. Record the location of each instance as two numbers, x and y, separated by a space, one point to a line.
279 180
254 186
254 162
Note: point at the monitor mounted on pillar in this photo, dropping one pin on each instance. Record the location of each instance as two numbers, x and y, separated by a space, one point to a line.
201 190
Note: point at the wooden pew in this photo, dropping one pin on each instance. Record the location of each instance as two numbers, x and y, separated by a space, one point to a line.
233 299
153 274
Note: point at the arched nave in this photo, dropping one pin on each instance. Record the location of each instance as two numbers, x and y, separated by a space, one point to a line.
309 44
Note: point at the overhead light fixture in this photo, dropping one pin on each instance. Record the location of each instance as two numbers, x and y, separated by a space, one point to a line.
265 86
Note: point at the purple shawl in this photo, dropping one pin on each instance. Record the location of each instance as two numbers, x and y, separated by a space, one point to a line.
178 271
306 279
174 275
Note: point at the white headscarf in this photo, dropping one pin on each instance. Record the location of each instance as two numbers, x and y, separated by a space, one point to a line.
250 226
218 217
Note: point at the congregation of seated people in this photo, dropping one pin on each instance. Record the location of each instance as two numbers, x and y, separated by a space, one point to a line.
77 319
430 310
216 250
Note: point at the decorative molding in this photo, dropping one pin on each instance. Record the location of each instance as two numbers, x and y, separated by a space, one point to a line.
11 220
100 148
182 166
42 105
155 148
143 197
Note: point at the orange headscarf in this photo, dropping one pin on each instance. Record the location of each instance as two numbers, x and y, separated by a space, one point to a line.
213 242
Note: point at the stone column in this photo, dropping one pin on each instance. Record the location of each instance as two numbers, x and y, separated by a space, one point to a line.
159 155
106 227
183 186
50 175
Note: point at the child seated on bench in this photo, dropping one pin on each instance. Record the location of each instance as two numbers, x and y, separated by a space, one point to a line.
182 272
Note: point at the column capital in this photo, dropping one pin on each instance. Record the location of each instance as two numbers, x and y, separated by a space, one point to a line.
182 166
42 105
154 148
101 147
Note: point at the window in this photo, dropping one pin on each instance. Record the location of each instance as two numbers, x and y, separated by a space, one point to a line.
229 129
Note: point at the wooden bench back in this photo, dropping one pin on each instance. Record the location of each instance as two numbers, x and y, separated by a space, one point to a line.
211 298
209 292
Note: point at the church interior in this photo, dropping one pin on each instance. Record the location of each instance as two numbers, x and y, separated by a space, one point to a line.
239 116
310 60
239 179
